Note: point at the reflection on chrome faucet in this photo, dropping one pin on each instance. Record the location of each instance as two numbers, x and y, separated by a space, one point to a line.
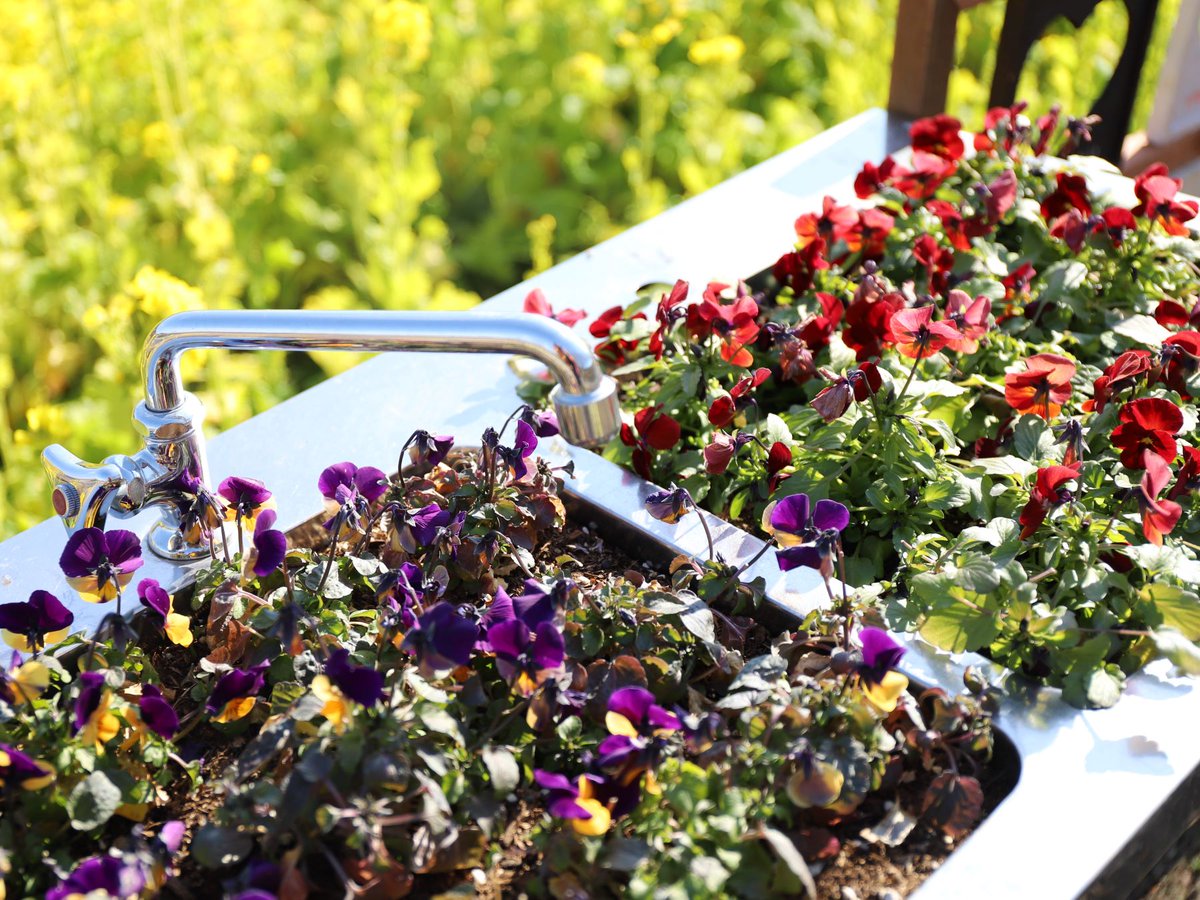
172 462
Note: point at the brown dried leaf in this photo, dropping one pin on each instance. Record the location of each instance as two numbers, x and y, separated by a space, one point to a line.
953 803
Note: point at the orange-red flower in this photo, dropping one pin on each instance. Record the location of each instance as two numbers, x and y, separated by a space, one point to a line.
939 135
1071 193
652 430
1043 387
1150 423
1156 190
733 320
1158 516
1048 492
832 225
917 336
870 236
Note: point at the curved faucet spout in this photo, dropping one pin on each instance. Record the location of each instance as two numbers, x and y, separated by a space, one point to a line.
171 467
563 351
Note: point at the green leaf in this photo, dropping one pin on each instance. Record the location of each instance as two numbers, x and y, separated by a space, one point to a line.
958 627
786 850
697 617
502 769
1142 330
1174 608
1032 438
948 494
1011 466
1091 688
93 802
1179 650
976 573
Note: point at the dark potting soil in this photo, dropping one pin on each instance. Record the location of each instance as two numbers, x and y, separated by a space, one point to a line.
840 857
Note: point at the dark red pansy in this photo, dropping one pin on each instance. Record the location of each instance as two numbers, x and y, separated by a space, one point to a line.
872 178
936 260
869 237
817 330
1070 193
1180 360
940 135
666 314
1188 479
779 457
1149 423
927 172
1048 492
1047 124
1116 222
1171 314
1071 228
615 350
867 319
798 268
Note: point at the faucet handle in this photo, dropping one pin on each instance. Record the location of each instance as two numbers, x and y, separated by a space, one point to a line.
83 492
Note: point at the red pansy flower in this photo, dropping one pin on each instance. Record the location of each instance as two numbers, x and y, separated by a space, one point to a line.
1043 387
870 236
817 331
1115 221
1046 125
917 336
873 178
867 319
970 317
937 261
1005 124
831 226
655 430
1048 492
939 135
1071 228
536 302
1158 516
1071 193
733 320
613 351
779 457
1125 368
1170 314
798 268
667 314
925 177
1156 190
1150 423
1180 357
727 406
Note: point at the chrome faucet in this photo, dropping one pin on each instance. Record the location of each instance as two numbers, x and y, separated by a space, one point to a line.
172 465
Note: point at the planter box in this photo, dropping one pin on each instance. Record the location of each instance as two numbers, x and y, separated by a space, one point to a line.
1101 794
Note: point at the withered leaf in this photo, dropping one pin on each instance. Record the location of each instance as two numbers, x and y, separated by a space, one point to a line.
953 803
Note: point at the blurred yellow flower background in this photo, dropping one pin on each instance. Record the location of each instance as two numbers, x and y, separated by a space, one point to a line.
157 155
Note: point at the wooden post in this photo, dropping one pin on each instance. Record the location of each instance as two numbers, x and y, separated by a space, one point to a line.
923 57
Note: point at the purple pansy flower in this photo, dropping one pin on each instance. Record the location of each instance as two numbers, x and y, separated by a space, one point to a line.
544 424
234 693
203 514
413 530
809 535
156 599
880 654
109 876
669 506
539 604
30 625
578 802
349 491
99 565
442 639
523 446
270 543
429 449
526 658
245 497
22 770
637 726
157 713
362 684
87 701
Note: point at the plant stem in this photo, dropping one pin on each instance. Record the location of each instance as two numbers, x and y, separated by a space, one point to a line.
908 381
712 553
